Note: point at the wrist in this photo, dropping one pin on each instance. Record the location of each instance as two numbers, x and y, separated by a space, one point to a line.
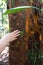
6 38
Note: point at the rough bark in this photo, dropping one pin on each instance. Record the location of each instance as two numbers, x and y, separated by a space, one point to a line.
18 21
27 21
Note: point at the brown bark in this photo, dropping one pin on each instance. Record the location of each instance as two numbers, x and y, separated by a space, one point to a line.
24 21
18 48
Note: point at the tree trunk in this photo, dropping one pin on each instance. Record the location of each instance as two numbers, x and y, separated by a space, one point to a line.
26 22
18 21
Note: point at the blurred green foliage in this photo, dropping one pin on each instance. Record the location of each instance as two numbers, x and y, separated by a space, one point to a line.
4 22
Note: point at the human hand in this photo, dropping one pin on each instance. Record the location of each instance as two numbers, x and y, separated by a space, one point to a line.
8 38
12 36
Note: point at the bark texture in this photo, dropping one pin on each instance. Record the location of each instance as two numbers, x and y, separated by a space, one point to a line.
28 22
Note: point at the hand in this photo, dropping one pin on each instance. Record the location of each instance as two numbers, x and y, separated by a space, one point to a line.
7 38
12 36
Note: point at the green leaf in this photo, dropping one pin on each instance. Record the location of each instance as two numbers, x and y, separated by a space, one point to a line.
17 9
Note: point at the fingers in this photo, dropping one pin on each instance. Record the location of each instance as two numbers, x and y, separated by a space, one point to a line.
17 35
13 35
15 31
15 38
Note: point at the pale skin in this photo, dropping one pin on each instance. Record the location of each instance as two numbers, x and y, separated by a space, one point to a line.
8 38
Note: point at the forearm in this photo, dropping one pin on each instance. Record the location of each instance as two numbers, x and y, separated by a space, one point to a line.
3 43
8 38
